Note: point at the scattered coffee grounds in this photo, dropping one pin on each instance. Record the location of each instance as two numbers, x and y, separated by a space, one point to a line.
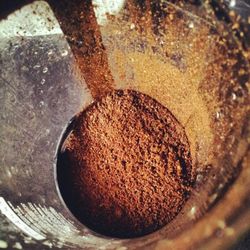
78 23
124 169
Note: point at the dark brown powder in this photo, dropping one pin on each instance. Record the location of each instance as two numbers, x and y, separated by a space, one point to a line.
125 167
78 23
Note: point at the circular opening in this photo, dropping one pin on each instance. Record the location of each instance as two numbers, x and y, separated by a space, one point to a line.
124 165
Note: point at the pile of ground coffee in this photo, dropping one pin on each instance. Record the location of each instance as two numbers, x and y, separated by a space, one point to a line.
125 167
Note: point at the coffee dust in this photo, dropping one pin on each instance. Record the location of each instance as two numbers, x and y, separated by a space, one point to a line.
78 23
125 168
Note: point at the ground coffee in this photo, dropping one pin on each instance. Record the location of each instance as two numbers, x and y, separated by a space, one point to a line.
125 167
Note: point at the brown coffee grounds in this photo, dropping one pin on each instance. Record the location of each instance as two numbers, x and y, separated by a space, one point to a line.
125 167
78 23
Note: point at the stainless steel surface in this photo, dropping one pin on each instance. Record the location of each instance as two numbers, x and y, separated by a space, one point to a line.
39 94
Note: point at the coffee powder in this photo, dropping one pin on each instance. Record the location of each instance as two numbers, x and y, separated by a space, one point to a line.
125 167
